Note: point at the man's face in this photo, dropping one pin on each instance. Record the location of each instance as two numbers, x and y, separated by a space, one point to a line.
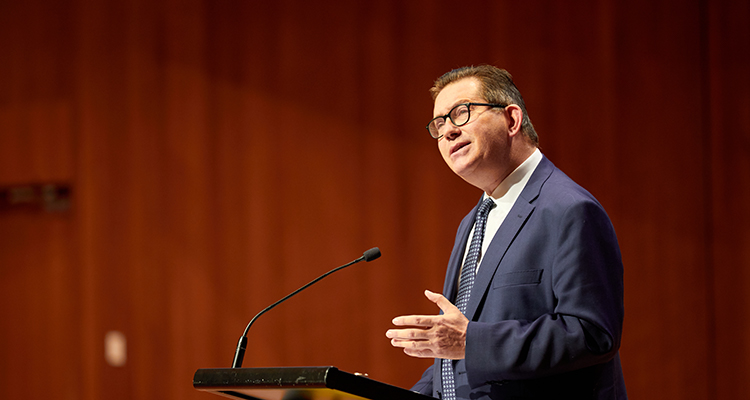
478 151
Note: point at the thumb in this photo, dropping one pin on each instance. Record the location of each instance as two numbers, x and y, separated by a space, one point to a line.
441 301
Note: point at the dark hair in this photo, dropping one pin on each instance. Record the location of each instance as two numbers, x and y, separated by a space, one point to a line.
496 87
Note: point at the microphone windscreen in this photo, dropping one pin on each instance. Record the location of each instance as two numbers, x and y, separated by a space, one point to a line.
372 254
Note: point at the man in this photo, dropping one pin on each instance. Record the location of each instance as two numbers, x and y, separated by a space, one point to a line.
535 272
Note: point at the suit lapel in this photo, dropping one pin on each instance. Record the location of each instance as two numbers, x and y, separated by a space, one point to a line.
505 235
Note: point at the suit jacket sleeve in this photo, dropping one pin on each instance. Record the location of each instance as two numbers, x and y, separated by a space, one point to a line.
572 317
424 385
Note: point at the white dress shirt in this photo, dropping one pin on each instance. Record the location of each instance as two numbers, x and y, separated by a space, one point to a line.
505 195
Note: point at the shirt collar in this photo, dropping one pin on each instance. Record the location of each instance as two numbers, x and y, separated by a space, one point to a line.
513 184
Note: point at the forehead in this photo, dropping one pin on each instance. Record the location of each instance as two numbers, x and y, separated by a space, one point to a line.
457 92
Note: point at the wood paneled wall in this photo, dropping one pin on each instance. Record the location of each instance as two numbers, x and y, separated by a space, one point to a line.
222 153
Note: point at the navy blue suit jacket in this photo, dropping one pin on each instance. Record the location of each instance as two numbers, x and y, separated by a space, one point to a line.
546 309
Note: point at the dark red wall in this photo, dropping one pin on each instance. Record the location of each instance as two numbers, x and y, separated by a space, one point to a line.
222 153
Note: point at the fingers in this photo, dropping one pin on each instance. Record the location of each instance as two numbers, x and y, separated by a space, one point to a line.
435 336
407 334
413 348
415 320
424 353
438 342
441 302
427 320
415 342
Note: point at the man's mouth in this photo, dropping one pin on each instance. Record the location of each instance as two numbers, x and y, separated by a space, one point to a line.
458 146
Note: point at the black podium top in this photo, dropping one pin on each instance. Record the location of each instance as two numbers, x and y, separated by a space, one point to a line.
296 383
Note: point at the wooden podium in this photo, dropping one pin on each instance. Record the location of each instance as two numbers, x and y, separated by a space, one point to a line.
296 383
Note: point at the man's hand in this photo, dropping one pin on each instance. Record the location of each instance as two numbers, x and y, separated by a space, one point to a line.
432 336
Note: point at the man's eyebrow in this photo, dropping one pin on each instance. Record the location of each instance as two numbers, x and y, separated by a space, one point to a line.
459 101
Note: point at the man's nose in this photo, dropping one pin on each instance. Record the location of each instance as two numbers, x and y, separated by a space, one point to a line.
451 131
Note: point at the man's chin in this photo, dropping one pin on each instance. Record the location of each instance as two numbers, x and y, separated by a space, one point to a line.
463 166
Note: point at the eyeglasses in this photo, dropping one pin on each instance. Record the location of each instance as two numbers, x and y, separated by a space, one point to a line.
459 116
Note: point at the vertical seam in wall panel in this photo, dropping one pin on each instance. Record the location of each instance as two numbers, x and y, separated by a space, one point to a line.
705 87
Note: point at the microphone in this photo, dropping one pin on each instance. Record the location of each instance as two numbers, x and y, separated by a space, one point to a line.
239 354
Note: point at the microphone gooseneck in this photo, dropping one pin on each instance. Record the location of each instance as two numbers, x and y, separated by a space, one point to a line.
239 354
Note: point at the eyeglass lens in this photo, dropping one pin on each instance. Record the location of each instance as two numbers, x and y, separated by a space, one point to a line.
459 115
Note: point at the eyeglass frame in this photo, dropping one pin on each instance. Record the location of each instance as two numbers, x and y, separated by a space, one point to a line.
447 117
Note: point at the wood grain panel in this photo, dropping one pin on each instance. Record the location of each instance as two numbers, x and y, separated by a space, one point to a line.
40 297
39 288
729 91
223 153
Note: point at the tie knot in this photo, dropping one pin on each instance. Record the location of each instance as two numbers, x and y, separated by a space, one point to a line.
487 205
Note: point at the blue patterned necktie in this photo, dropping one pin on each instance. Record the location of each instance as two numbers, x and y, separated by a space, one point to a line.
468 272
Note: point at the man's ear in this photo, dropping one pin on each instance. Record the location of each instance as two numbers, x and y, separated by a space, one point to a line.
514 119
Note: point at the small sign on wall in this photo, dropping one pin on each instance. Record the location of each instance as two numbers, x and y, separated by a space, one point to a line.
52 197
